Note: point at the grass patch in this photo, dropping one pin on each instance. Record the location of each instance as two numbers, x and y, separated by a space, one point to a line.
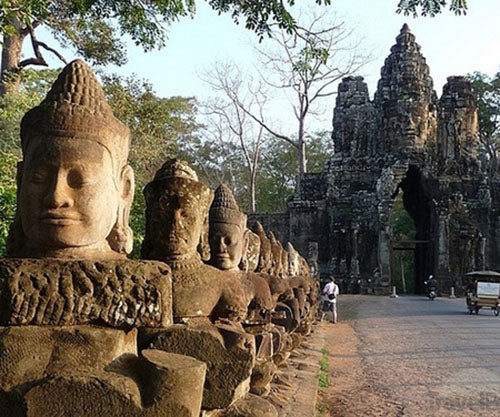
324 368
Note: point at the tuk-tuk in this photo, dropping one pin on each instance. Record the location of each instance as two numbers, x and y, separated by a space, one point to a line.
483 290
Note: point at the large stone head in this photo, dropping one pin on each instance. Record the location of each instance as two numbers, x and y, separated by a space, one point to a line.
75 188
176 209
227 233
265 258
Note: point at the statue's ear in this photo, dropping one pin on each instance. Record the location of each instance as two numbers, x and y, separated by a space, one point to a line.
246 240
127 184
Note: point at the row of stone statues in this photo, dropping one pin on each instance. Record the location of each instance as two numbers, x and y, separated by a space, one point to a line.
201 325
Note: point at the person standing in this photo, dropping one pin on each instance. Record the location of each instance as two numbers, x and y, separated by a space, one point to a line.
330 293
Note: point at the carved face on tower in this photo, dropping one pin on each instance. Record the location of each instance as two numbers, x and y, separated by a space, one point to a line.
177 207
75 187
227 233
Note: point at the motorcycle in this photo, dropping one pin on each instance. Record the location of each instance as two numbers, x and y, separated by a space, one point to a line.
432 294
431 289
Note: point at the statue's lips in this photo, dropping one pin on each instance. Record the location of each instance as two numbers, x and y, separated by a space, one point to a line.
221 257
59 219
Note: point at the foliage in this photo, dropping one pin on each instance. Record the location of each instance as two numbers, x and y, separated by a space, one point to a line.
430 7
486 91
323 379
276 180
33 87
403 228
95 27
157 124
7 196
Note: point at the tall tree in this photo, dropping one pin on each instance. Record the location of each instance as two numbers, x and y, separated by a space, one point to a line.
486 91
226 121
306 65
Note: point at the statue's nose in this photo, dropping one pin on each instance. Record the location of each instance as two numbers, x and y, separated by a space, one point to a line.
59 193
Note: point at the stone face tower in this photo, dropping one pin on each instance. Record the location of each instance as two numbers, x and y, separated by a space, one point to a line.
408 141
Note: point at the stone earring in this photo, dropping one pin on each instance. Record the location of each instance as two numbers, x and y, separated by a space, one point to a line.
121 237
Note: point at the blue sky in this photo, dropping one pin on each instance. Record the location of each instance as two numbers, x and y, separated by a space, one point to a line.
452 45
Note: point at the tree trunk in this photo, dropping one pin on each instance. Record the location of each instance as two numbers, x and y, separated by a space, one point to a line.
11 56
301 148
252 190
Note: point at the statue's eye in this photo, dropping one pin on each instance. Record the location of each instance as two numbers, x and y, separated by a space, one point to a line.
227 241
76 179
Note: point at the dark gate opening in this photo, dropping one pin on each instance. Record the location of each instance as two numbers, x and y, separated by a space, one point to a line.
418 205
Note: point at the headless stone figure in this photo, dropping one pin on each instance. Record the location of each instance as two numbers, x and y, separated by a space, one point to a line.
228 238
70 238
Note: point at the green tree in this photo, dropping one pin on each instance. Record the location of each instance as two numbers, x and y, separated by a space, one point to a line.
486 92
430 7
94 28
277 177
402 261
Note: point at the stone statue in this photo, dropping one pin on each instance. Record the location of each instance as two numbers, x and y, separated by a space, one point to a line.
71 302
177 208
265 259
75 187
228 238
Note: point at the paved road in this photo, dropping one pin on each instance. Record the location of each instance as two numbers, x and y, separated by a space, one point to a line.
431 357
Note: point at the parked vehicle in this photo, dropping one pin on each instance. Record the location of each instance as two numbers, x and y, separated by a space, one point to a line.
483 290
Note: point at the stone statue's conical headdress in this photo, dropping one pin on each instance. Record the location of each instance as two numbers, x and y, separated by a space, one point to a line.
224 208
76 107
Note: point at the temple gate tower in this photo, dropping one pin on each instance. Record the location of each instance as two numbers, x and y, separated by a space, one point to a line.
406 140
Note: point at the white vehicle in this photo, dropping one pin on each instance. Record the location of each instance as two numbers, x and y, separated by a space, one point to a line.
483 291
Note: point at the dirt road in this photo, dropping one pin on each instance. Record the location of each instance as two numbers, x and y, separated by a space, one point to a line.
411 357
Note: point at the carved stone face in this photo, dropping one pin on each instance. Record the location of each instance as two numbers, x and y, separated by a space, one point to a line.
69 196
227 244
179 222
293 263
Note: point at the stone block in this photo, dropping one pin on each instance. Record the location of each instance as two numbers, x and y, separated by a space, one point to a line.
228 352
30 353
119 293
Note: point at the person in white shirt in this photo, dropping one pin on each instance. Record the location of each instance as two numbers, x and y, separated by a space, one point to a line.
330 293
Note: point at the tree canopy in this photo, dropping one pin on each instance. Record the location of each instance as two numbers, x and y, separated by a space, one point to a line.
431 7
486 92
